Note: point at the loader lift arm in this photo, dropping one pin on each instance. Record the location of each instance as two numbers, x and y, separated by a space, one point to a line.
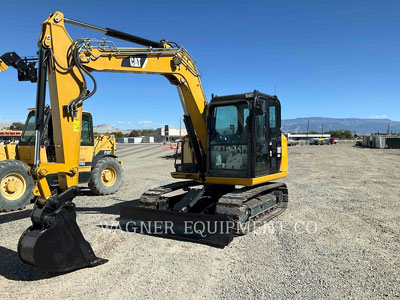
26 66
54 241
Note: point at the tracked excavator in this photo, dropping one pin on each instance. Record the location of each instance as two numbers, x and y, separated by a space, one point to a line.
98 163
230 159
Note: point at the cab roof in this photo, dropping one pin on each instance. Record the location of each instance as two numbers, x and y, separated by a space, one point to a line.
246 96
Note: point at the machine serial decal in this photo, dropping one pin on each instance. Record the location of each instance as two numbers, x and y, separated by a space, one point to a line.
134 61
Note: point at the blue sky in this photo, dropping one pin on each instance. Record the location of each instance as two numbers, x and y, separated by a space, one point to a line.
327 58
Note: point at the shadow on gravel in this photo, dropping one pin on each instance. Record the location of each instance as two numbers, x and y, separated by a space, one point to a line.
110 210
15 216
84 191
12 268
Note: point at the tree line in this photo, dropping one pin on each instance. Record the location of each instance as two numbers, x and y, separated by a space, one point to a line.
15 126
337 134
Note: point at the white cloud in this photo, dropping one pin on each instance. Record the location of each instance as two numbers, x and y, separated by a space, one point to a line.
146 124
379 117
123 122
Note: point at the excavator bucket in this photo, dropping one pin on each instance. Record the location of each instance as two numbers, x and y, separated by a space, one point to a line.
212 230
54 242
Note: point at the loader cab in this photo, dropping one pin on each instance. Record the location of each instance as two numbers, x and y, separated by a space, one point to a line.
28 134
244 136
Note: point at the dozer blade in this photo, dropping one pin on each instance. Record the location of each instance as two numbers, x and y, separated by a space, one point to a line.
54 242
212 230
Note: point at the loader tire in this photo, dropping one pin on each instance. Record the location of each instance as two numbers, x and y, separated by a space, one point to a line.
15 185
106 176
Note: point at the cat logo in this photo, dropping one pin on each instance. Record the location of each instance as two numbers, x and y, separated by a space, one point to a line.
134 61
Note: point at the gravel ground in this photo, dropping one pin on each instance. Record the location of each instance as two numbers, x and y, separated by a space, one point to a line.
344 203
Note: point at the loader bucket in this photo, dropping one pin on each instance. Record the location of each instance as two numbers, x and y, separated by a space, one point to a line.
212 230
56 243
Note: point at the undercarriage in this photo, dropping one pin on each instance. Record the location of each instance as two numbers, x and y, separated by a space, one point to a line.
209 214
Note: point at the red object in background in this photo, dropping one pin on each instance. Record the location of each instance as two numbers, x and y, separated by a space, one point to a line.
10 133
173 146
332 141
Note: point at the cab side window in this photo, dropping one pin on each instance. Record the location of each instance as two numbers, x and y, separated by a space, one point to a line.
87 130
272 117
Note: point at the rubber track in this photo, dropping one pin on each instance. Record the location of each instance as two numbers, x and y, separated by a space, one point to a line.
235 203
150 198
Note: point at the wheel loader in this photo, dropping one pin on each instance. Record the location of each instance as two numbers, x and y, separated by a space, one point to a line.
98 164
226 178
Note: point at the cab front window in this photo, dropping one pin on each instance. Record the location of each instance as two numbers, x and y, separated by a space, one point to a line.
228 141
28 133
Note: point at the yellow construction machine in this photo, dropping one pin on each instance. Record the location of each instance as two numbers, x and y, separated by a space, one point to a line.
233 152
98 164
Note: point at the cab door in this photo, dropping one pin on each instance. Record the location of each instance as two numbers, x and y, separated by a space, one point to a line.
261 147
267 146
274 135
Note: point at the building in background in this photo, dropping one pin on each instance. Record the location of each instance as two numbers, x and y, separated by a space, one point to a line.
130 140
8 136
381 141
304 136
173 133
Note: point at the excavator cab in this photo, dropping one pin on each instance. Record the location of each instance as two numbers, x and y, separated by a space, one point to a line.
244 144
244 138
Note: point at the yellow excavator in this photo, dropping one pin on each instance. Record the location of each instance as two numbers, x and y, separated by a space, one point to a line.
98 164
233 152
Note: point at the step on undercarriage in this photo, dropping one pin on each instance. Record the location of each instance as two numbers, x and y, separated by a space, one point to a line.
208 214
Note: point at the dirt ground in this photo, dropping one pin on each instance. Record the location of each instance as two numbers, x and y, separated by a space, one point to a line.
339 238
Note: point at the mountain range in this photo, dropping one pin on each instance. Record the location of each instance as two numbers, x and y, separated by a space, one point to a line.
360 126
107 128
4 125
